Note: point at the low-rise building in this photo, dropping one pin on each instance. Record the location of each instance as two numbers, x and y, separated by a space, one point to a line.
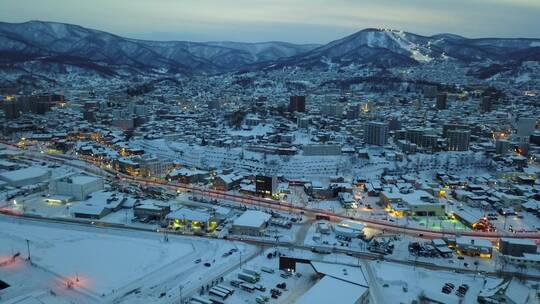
25 177
226 182
411 202
77 186
151 211
349 228
474 247
517 247
251 222
189 176
190 219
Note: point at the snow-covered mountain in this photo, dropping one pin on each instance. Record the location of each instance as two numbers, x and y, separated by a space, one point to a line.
52 44
56 47
387 48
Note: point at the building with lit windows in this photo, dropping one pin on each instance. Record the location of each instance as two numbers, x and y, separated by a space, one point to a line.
266 186
474 247
192 220
458 140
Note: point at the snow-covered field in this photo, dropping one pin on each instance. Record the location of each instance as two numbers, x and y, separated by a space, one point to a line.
104 262
111 264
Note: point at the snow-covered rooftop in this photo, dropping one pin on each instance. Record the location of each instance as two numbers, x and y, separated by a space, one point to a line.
252 218
346 273
332 290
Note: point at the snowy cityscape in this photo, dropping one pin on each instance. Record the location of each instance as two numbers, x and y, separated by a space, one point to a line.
383 166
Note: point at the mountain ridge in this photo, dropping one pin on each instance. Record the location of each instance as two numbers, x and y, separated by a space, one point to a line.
59 46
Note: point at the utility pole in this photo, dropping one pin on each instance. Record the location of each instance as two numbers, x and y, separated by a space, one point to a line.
28 249
181 287
240 251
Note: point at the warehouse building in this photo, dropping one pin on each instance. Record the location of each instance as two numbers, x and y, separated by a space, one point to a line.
25 177
338 284
79 187
251 222
517 247
349 228
149 210
98 206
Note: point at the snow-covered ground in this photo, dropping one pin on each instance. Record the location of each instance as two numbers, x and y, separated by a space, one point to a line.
110 264
297 285
393 283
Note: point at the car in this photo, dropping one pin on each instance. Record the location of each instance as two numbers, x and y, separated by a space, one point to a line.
197 261
460 258
276 291
207 264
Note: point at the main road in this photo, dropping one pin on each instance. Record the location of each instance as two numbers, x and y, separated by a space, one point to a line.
97 168
270 243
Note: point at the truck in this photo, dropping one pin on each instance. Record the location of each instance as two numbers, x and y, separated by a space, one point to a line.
218 293
267 270
321 250
224 288
259 287
201 300
248 287
253 273
248 278
236 283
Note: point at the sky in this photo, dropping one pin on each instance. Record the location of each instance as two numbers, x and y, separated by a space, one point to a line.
297 21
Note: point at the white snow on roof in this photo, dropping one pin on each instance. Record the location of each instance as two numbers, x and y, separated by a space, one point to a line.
252 218
86 208
466 240
83 179
189 214
331 290
350 274
518 241
353 225
23 174
517 292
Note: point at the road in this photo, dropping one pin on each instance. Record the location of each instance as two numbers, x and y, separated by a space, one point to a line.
270 243
279 205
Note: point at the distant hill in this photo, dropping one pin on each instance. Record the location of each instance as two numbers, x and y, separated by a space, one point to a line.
57 47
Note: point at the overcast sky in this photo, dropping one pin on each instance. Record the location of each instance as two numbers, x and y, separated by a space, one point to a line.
299 21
